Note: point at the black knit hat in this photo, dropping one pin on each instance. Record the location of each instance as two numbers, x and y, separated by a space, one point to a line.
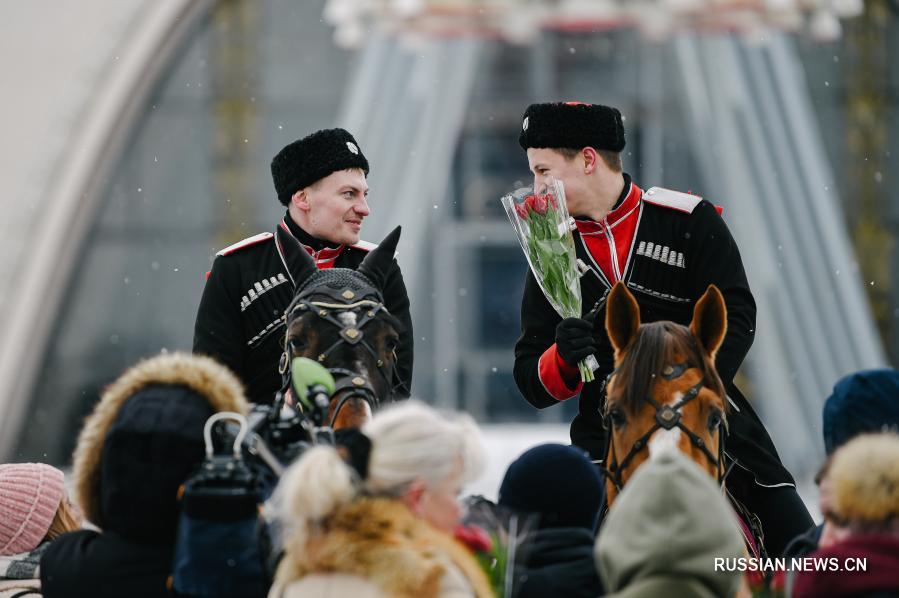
312 158
557 482
572 125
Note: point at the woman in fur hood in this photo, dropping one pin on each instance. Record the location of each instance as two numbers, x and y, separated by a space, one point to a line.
141 442
382 525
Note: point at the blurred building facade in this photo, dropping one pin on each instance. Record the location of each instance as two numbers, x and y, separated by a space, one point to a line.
785 133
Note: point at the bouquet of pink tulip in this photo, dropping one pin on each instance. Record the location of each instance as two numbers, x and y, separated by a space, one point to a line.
543 228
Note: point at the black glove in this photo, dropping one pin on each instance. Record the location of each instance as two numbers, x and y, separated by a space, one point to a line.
574 340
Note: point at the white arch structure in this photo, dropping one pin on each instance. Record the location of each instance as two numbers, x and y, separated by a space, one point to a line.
78 75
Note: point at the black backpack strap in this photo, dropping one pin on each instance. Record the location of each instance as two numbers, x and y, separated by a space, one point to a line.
29 592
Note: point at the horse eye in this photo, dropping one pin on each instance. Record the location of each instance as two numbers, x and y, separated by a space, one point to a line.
391 344
617 417
297 345
714 420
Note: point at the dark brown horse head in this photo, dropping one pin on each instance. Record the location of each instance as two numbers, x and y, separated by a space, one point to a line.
338 318
664 393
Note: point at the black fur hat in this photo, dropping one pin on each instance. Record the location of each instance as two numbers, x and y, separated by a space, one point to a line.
312 158
572 125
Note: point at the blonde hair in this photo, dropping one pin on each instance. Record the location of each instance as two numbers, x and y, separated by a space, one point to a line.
410 441
864 482
68 518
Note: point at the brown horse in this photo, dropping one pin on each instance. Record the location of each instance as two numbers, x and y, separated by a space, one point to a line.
338 318
664 393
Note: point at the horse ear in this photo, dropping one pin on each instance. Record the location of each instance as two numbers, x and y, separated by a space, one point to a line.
622 317
299 263
377 263
709 323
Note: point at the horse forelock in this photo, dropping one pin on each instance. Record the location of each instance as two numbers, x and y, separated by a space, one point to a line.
657 345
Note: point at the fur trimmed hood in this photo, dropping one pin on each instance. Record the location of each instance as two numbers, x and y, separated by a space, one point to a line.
202 375
381 540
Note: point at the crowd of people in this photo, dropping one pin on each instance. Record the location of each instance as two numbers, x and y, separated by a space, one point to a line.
375 510
380 514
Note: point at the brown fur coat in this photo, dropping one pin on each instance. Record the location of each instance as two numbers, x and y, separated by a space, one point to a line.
382 541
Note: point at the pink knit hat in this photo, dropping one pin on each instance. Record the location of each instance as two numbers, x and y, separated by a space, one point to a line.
30 494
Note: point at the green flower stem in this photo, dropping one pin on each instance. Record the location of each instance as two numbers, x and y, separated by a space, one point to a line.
586 372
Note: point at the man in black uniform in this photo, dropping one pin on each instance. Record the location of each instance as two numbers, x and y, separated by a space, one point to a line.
320 179
667 247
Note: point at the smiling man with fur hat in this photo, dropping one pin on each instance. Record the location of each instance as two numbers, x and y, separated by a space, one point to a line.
141 442
320 180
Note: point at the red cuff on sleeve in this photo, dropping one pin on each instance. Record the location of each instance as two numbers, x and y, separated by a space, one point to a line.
560 380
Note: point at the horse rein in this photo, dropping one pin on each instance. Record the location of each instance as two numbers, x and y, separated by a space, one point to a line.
667 417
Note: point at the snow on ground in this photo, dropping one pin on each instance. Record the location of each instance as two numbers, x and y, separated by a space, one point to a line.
504 442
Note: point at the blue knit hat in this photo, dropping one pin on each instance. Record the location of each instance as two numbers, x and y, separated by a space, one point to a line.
866 401
557 482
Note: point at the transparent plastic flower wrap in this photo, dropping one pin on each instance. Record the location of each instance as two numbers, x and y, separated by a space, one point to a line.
543 228
499 539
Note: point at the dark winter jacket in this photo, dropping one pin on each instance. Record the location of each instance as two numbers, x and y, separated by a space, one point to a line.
88 563
804 544
679 248
559 562
240 321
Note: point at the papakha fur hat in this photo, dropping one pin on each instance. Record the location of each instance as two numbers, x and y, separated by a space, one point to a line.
312 158
572 125
864 479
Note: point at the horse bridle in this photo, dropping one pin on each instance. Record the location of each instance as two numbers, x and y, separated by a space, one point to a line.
353 384
667 417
